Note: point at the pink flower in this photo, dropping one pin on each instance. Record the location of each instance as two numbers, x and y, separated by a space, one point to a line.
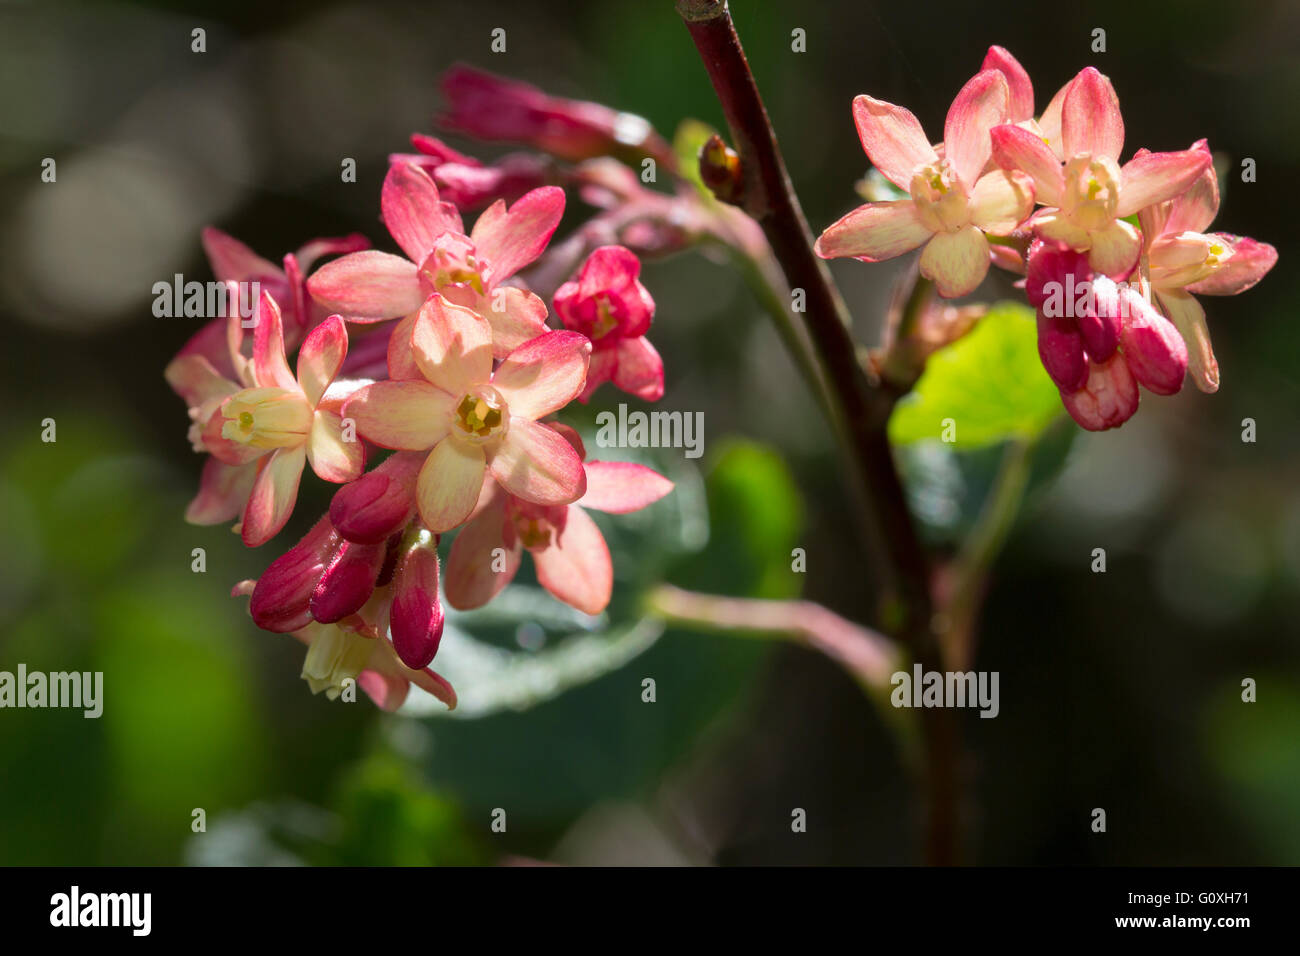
232 261
1088 199
568 549
607 303
1182 258
470 184
281 422
492 108
952 205
468 270
473 420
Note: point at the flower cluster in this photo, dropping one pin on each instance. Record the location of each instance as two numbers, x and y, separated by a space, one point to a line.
443 358
1113 256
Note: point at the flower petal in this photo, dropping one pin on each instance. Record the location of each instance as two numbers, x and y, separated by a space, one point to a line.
475 573
449 484
576 567
1154 177
522 317
1090 118
1195 209
544 374
511 239
1249 262
640 370
892 139
537 464
275 490
407 415
232 261
622 486
223 489
194 379
1049 124
401 356
452 346
331 457
270 369
1017 148
957 262
980 105
1115 249
1020 100
876 231
413 211
321 357
368 286
1001 201
1188 317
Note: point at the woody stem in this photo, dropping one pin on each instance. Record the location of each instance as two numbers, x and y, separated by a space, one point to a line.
862 406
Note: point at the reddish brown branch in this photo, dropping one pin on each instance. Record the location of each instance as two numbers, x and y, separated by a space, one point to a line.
862 406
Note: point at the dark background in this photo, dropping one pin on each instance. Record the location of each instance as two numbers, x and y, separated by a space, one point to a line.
1119 691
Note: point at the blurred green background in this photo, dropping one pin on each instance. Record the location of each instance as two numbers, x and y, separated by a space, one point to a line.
1119 691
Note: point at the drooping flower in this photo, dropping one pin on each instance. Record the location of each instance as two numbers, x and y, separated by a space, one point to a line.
1182 259
568 550
337 654
468 270
473 420
952 204
282 422
607 303
1088 199
1087 323
492 108
468 183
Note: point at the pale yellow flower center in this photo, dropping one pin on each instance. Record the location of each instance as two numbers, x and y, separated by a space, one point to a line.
481 415
267 418
1091 191
942 202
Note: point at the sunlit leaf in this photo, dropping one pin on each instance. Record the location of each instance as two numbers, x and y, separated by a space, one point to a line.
986 387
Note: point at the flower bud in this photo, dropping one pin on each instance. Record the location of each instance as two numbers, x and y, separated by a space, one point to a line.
1156 353
281 598
347 582
380 502
415 618
1060 346
1108 398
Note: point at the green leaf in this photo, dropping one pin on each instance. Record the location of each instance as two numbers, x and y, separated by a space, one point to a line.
490 679
986 387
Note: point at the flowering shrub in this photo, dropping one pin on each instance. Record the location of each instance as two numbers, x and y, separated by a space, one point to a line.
447 369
